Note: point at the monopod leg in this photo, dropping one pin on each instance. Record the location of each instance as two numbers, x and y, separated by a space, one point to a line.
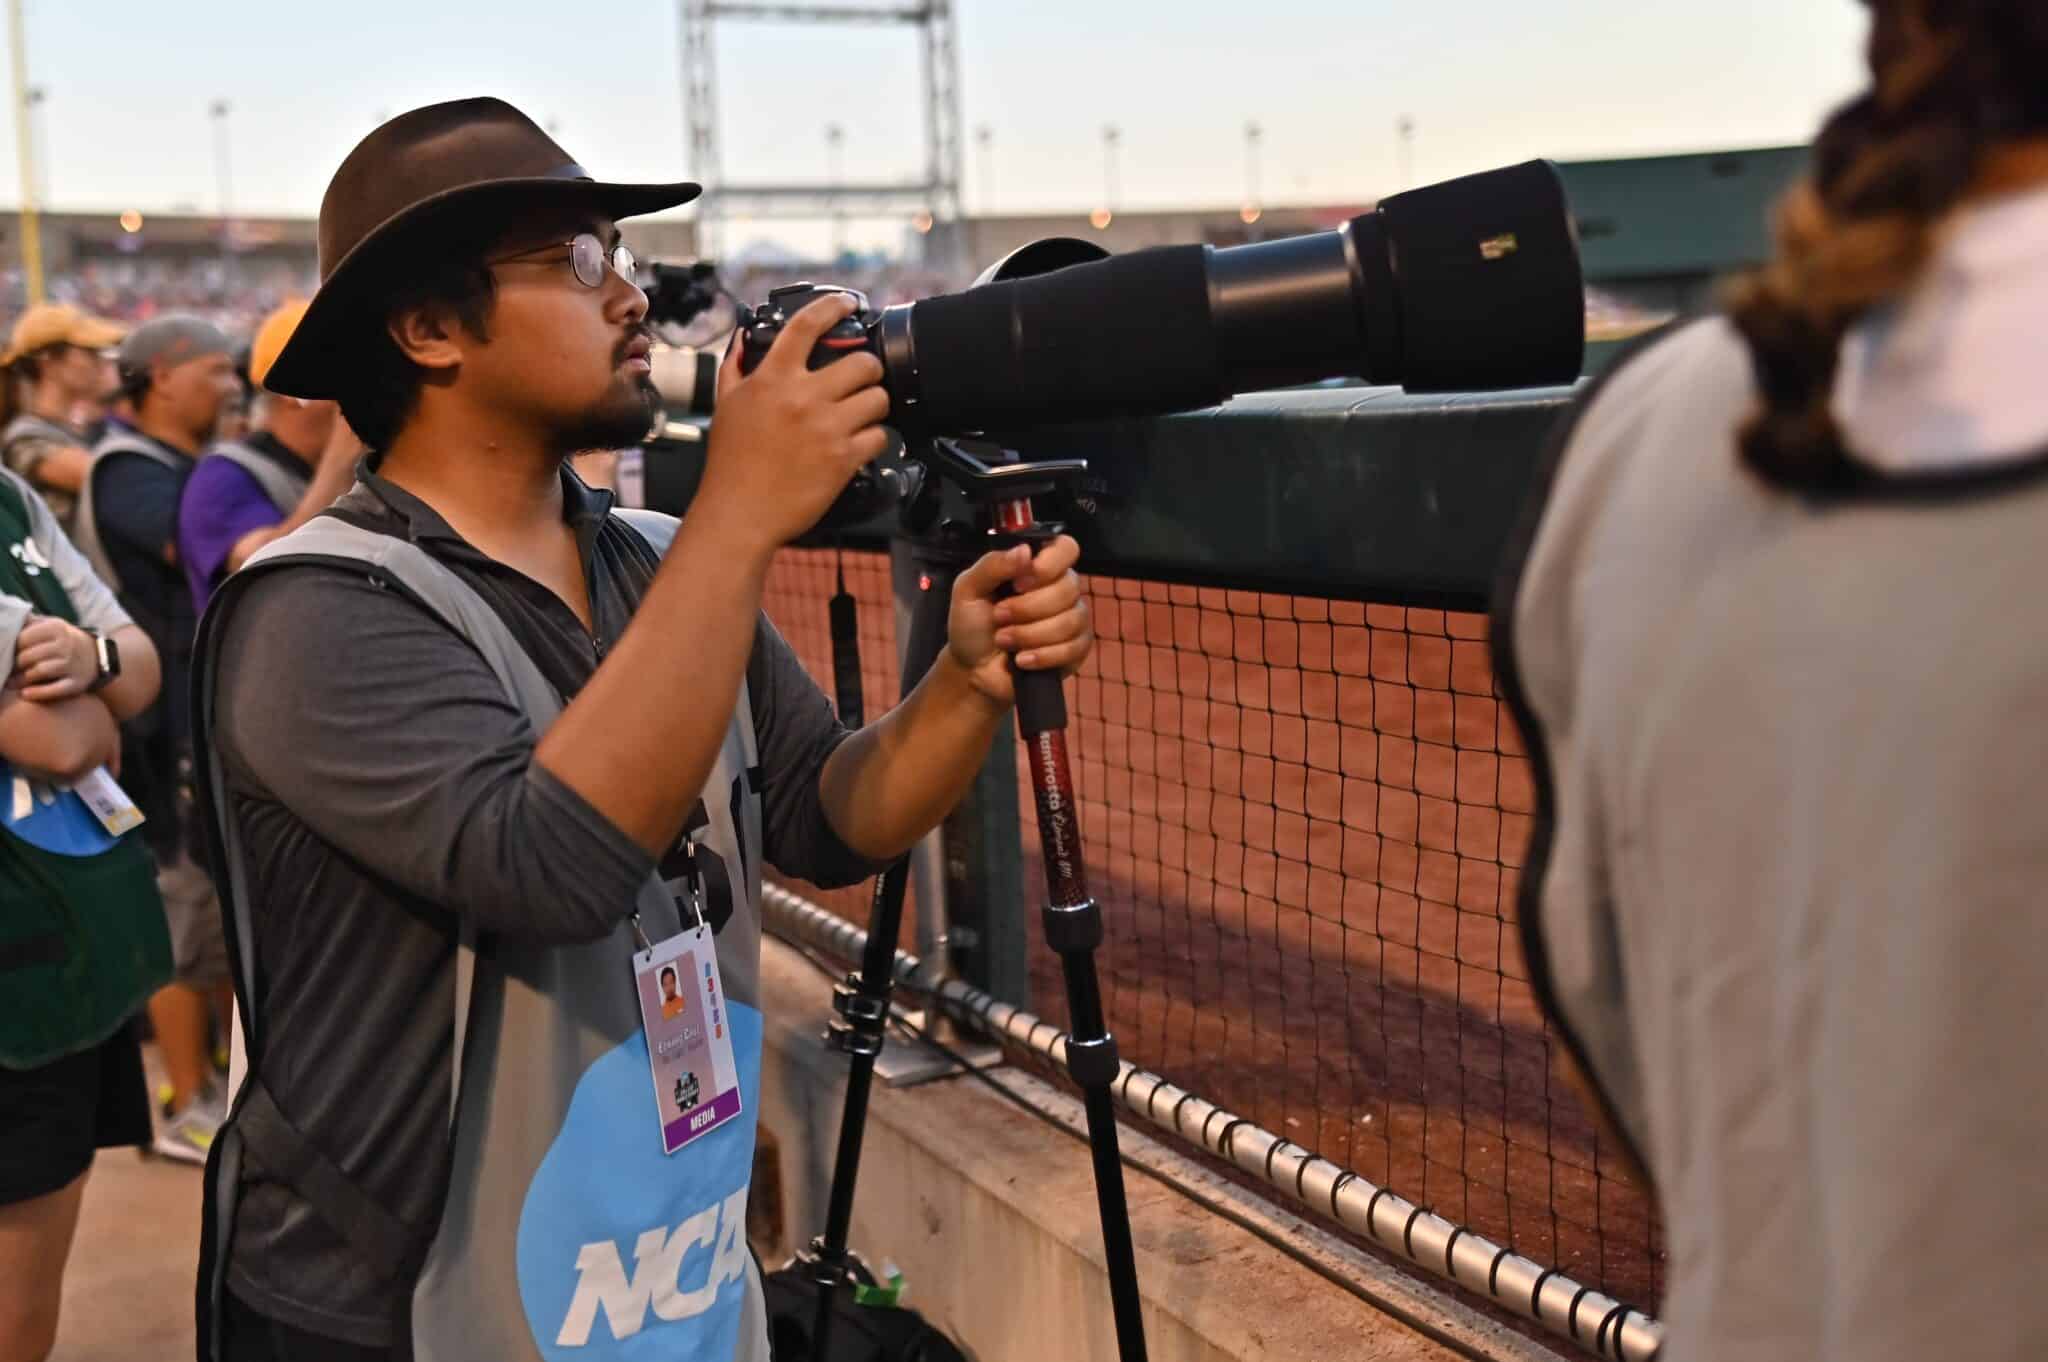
863 1002
1073 928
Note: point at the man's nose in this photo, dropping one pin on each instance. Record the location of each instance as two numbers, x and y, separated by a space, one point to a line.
626 302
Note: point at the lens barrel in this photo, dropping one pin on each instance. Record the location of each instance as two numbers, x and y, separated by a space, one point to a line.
1466 285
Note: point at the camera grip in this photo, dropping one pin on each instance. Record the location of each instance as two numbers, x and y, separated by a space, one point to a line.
1041 703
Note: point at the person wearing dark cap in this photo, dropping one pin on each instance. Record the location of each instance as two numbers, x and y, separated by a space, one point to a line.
177 372
472 702
55 366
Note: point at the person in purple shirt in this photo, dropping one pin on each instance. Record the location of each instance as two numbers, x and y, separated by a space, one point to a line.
245 493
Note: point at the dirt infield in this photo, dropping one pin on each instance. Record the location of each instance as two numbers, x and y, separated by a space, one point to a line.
1305 821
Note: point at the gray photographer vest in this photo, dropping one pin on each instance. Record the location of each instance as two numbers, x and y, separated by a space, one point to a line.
566 1233
285 486
85 525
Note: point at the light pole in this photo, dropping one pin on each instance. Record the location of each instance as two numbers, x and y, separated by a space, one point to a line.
218 111
39 126
1254 135
31 229
1112 138
1404 130
984 139
835 142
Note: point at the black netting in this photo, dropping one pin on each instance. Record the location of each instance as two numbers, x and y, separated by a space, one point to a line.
1304 820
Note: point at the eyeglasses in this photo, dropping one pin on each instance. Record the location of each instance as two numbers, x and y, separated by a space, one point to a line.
587 258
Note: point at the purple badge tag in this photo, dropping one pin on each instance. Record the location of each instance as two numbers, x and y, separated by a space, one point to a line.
689 1044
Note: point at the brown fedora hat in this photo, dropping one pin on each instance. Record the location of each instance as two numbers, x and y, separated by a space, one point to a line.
422 168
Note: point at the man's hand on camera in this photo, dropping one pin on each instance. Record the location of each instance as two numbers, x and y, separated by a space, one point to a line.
1044 626
786 438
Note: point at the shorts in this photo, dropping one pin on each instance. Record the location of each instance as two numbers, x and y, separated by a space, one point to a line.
199 946
53 1117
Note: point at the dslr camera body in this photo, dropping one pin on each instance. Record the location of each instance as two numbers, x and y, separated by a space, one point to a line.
860 331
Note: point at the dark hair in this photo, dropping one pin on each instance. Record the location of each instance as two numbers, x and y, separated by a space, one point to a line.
30 365
669 972
25 371
13 378
1950 80
383 386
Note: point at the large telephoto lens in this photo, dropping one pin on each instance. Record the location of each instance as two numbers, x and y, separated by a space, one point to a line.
1467 285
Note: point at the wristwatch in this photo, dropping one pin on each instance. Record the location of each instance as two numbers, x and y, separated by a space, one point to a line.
110 659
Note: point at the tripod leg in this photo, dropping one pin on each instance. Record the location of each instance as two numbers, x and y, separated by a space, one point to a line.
863 1005
1073 927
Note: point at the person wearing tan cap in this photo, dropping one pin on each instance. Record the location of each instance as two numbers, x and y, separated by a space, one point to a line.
245 493
55 364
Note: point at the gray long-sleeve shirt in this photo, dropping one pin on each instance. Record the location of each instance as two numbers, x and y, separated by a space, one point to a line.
384 784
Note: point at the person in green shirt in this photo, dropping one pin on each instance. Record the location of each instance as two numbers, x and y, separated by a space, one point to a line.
82 934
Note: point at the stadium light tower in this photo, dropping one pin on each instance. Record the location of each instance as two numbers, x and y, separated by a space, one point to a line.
937 193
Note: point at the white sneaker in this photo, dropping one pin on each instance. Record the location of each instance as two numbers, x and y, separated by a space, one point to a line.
187 1136
213 1100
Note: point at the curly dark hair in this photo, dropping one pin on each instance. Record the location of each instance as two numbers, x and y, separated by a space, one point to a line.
1951 81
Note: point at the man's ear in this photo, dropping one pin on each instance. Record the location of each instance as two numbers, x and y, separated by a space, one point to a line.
429 337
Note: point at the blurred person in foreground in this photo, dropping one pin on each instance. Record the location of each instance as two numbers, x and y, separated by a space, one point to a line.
177 373
472 734
245 493
1775 636
55 369
82 938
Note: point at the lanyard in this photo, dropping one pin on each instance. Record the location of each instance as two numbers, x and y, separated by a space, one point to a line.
693 880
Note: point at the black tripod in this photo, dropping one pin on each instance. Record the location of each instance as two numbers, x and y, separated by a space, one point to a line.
997 492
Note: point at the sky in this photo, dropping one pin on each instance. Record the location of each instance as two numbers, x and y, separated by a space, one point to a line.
128 84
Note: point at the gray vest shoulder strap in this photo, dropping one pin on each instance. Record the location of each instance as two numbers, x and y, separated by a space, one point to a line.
283 486
438 588
42 427
659 530
85 526
122 443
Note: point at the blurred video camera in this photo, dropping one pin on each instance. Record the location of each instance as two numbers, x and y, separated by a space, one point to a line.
678 295
681 297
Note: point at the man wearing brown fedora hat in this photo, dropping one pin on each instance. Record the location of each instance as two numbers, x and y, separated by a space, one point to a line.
484 755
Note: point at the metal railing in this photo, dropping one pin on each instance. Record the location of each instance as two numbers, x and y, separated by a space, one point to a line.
1592 1321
